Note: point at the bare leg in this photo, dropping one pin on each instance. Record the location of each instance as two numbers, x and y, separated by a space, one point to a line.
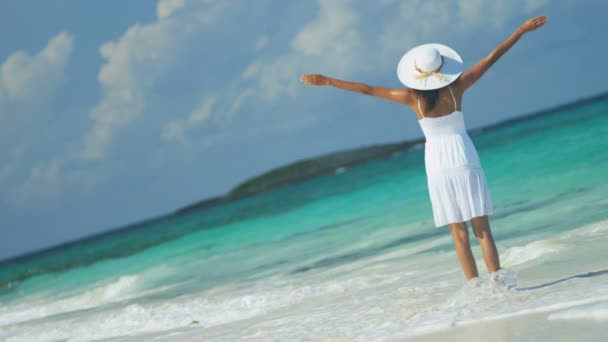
481 228
460 234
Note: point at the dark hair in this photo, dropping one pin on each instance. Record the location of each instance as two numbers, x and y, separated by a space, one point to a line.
430 98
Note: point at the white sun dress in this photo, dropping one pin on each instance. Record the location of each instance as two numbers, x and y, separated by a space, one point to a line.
456 181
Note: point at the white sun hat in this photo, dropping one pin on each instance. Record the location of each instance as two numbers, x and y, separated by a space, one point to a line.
429 66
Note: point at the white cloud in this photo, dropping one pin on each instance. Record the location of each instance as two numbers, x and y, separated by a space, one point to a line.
495 14
251 70
165 8
46 173
327 38
238 101
25 78
11 161
410 25
262 42
47 180
470 11
492 14
332 33
134 63
532 5
327 42
27 85
41 184
175 130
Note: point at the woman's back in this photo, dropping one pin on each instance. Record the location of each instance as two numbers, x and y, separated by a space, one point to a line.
444 104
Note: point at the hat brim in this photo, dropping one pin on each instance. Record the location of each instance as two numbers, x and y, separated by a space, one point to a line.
451 69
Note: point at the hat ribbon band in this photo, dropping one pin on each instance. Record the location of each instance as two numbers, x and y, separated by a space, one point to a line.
425 74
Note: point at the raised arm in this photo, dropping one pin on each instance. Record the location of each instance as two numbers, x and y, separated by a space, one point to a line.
401 95
472 75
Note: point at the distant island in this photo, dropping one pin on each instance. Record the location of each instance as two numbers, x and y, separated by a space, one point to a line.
303 170
326 164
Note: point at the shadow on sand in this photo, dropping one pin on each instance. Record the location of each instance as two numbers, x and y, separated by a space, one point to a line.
582 275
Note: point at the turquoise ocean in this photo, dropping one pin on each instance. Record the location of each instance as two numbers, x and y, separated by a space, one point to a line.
349 256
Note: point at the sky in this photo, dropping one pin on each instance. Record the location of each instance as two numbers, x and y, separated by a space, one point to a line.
112 112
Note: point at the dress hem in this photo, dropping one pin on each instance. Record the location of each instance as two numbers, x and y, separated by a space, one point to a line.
468 218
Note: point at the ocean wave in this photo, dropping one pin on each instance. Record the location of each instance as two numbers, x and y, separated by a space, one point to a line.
200 310
597 312
517 255
117 290
589 231
520 254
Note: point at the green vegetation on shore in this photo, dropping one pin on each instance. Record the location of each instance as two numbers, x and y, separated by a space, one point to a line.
303 170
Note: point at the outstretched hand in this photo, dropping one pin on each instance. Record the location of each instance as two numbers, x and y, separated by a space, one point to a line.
318 80
533 23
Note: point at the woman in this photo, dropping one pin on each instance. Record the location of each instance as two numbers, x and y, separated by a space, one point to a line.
457 186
